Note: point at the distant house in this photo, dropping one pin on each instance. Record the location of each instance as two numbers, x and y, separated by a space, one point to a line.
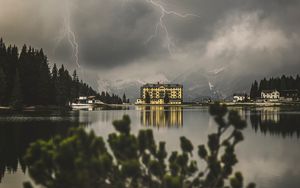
289 95
270 95
88 100
240 97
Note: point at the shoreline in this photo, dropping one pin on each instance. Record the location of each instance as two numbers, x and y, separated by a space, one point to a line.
35 108
262 104
230 104
239 104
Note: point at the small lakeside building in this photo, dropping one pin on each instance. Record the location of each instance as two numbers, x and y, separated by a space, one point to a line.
280 96
88 100
240 97
270 95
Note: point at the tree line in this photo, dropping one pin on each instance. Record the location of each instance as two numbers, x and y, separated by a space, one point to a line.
279 83
26 79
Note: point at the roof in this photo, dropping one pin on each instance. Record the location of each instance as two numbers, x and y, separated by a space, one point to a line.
269 91
287 92
240 94
159 85
290 91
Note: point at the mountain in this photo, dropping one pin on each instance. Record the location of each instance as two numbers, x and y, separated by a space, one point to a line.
198 84
131 87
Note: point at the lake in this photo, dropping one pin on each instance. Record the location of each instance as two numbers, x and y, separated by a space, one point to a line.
269 155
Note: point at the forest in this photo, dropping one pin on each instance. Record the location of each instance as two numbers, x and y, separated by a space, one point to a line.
26 79
278 83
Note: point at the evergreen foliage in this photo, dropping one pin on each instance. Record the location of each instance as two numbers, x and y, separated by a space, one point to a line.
26 79
82 159
2 85
166 99
279 83
16 98
124 98
147 98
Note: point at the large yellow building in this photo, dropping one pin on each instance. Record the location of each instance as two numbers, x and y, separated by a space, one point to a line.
161 94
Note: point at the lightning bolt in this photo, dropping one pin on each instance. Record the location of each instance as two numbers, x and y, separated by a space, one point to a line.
161 23
69 34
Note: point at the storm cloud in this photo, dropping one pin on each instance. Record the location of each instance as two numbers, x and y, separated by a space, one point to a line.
117 37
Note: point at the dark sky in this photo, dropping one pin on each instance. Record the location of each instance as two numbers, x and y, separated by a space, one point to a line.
124 38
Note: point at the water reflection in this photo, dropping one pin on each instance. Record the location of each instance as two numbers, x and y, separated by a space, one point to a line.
275 121
110 107
161 116
18 131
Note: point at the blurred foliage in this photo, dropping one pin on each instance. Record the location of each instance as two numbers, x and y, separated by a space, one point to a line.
82 160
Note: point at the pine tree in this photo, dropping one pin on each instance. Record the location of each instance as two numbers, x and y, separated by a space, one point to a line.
62 90
54 81
2 85
10 64
283 85
254 93
75 86
17 97
29 74
147 98
298 83
44 81
166 98
124 98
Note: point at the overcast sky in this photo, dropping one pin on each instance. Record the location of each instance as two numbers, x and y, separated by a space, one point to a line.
124 38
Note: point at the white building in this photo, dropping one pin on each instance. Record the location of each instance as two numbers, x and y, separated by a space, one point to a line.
270 95
239 97
88 100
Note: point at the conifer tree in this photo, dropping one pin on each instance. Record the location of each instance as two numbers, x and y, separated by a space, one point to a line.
62 90
2 85
10 65
124 98
17 97
166 98
254 90
44 82
147 98
54 81
75 86
283 85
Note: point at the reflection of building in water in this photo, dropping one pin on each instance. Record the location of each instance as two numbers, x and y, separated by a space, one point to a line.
161 116
275 122
270 114
242 112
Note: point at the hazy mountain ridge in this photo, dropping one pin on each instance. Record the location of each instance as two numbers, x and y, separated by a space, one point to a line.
196 84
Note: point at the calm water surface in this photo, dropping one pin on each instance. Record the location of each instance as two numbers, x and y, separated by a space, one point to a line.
269 155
